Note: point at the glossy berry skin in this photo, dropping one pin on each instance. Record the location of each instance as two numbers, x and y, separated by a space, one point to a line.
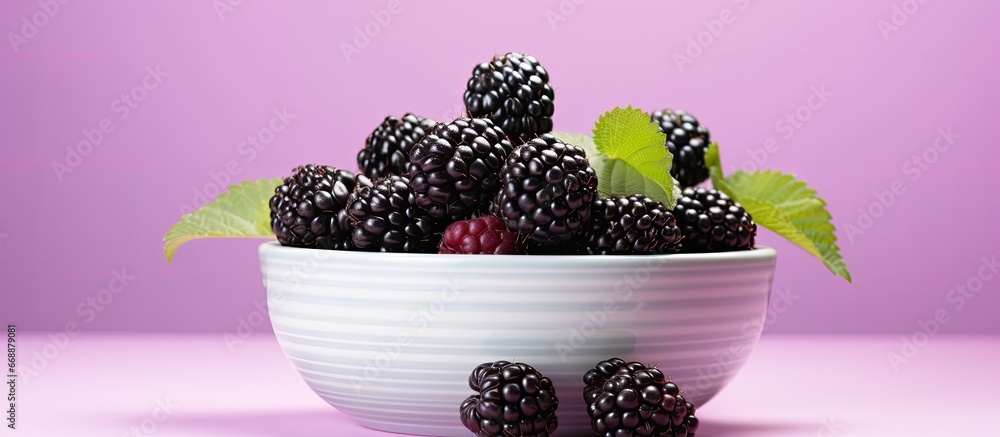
514 91
384 218
633 225
628 399
308 209
688 141
455 168
387 149
512 399
547 191
481 235
712 222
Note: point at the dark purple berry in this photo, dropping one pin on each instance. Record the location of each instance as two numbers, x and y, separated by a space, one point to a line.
308 209
630 225
628 399
688 141
455 169
387 149
712 222
514 91
547 191
385 218
512 399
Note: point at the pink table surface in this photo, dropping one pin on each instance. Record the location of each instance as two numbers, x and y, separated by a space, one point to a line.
114 384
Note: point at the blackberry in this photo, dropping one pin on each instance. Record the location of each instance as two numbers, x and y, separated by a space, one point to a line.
630 399
514 91
513 399
712 222
481 235
631 226
454 170
547 190
308 209
387 149
385 218
688 141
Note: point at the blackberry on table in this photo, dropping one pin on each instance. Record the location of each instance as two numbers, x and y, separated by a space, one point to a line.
387 149
514 91
547 191
688 141
631 225
481 235
629 399
454 170
712 222
512 399
308 209
385 218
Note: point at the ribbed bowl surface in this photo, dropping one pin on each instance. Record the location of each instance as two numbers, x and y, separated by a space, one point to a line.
390 339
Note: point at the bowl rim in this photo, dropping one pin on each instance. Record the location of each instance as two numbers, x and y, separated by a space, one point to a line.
760 253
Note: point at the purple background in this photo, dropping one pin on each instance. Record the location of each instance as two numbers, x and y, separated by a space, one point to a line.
60 240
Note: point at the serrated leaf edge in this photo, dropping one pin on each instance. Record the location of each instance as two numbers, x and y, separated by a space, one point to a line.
834 262
173 239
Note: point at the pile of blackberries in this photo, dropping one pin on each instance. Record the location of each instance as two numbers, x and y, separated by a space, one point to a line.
420 184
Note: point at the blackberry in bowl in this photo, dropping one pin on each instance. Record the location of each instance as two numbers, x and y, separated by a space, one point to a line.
687 141
546 191
387 149
712 222
513 90
309 208
454 170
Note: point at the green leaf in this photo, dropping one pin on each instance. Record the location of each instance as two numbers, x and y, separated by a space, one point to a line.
617 178
625 180
785 205
628 154
638 160
242 212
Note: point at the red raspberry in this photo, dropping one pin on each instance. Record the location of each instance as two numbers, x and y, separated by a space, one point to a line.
481 235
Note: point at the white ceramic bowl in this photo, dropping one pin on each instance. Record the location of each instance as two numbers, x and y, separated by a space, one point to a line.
390 339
